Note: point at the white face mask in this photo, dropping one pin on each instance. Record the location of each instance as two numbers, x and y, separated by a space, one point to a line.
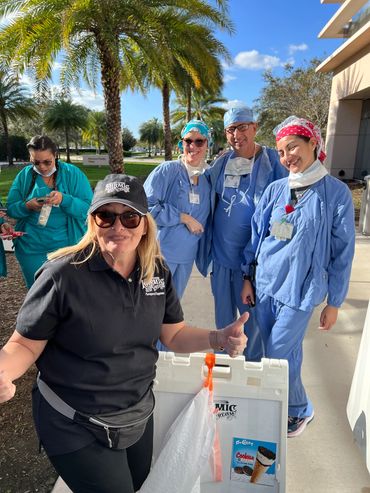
239 166
46 175
309 176
194 170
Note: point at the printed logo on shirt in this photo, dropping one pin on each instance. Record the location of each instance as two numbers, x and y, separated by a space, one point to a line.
155 287
117 186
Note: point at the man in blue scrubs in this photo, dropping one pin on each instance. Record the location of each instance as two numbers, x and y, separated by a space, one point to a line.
238 179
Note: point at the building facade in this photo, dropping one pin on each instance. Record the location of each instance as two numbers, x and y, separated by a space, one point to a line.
348 132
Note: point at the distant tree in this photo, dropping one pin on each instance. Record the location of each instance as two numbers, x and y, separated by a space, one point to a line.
19 147
65 115
302 92
96 130
128 140
151 133
14 103
204 107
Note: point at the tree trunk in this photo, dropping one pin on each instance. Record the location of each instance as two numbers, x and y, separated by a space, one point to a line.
188 104
68 157
110 79
8 144
99 143
166 122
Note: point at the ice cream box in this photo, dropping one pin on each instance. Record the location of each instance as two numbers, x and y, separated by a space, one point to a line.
251 401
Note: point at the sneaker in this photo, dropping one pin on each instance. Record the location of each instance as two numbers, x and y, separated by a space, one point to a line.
296 426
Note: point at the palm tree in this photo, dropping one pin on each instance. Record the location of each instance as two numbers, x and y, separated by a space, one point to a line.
66 116
14 103
151 132
96 35
198 68
96 130
204 107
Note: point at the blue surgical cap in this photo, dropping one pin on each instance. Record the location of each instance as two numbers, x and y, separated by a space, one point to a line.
198 126
238 114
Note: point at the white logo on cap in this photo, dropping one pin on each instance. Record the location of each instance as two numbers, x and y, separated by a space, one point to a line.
117 186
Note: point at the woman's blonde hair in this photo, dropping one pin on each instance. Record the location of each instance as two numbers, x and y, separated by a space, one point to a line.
148 249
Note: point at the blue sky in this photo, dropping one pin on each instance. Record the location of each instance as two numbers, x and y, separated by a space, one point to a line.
268 33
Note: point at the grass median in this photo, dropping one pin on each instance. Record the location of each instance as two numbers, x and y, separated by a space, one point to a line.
93 173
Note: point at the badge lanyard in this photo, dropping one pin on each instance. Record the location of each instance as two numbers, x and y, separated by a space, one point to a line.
233 181
283 230
194 198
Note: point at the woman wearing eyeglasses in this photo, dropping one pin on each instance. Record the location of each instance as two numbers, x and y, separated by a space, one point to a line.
49 199
90 323
179 200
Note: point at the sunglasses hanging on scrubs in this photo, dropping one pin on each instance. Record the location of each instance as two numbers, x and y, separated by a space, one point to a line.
106 219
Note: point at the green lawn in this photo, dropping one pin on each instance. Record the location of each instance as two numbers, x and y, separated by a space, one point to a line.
93 173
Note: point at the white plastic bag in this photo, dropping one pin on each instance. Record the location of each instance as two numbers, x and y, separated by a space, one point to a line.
186 449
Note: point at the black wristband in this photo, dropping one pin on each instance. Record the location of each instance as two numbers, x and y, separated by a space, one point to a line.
246 277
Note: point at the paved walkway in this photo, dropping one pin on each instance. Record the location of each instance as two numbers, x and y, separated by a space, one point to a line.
325 458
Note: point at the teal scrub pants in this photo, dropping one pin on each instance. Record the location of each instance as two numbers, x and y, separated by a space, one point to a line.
30 263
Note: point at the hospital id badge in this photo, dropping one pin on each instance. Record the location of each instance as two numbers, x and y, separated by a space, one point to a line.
232 181
194 198
282 231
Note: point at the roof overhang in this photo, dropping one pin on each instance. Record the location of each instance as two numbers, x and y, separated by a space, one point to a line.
348 9
353 45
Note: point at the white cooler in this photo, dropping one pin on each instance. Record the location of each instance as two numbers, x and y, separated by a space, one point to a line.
252 411
358 407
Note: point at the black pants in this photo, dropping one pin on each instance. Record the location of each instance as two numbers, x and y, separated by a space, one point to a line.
98 469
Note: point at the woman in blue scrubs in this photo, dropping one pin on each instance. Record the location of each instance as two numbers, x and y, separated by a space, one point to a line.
179 200
47 185
302 242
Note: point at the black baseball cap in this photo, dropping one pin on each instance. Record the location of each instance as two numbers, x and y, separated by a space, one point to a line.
120 189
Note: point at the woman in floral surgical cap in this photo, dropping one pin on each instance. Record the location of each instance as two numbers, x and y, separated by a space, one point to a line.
302 242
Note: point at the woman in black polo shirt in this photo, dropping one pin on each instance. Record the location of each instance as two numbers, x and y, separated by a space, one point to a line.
91 322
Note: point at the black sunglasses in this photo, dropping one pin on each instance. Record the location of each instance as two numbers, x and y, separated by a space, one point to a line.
197 142
106 219
46 162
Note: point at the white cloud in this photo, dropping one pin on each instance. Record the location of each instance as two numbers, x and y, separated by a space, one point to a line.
7 19
228 78
253 60
88 98
226 65
57 66
293 48
85 97
26 80
233 103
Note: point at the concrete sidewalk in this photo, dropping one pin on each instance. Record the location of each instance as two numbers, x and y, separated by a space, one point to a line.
325 458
